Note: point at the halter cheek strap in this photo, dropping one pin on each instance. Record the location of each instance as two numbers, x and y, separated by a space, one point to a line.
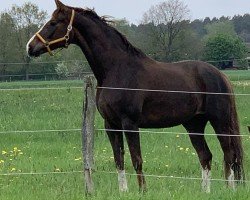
64 38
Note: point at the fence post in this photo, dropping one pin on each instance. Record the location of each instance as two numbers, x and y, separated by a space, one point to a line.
89 109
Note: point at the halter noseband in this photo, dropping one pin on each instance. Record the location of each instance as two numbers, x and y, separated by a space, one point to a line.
64 38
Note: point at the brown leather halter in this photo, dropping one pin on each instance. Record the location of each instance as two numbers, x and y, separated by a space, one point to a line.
64 38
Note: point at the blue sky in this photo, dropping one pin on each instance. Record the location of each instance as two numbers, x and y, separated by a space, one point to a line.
133 10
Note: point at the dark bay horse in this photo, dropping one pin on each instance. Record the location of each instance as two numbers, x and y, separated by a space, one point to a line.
117 63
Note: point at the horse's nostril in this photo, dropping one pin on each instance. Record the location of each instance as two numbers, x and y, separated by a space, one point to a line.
29 50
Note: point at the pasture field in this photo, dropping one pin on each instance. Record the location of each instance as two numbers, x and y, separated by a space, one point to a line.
60 151
238 75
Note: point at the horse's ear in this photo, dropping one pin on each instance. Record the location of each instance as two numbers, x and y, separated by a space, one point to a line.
59 4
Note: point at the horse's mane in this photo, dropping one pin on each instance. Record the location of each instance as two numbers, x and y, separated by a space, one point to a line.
107 23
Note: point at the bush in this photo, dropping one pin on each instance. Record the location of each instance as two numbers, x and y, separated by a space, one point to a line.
71 69
62 70
225 49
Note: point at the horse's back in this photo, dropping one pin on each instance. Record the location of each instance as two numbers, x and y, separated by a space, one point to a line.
185 74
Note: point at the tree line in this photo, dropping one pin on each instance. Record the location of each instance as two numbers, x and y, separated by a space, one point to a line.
165 33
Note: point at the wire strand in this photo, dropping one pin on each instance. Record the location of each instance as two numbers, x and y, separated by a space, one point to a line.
39 173
42 88
172 177
111 88
107 172
173 91
114 130
41 131
85 61
43 62
175 133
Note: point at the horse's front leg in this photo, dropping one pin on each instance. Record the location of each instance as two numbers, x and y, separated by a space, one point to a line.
133 140
116 140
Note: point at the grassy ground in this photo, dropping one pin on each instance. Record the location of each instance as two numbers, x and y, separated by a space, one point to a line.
164 154
238 75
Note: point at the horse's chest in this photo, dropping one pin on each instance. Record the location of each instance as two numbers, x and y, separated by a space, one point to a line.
108 105
115 105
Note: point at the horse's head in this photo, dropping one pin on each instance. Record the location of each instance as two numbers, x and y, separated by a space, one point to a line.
56 33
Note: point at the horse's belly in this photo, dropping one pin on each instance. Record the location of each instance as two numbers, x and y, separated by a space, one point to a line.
162 122
162 116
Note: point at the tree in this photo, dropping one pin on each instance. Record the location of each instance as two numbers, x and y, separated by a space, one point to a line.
189 44
26 20
122 25
167 20
199 27
242 26
224 49
225 27
6 50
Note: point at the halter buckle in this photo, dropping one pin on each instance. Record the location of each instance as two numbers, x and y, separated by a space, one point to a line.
69 27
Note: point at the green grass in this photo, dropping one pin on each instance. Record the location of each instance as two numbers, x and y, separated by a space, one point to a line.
238 75
163 154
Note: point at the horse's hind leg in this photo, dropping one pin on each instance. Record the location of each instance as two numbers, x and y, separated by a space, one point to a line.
197 125
232 150
116 140
133 140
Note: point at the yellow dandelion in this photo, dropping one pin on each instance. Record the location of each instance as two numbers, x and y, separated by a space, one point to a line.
166 146
193 153
13 169
4 152
15 149
57 170
76 159
187 149
181 148
177 136
166 165
1 161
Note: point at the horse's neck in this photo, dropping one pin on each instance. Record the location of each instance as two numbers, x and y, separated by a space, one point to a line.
97 69
104 51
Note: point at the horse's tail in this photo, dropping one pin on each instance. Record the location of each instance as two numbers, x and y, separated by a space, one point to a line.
236 144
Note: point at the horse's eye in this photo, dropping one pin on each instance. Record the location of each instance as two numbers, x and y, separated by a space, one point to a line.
53 23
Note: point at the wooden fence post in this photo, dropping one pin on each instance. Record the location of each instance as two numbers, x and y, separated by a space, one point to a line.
89 108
